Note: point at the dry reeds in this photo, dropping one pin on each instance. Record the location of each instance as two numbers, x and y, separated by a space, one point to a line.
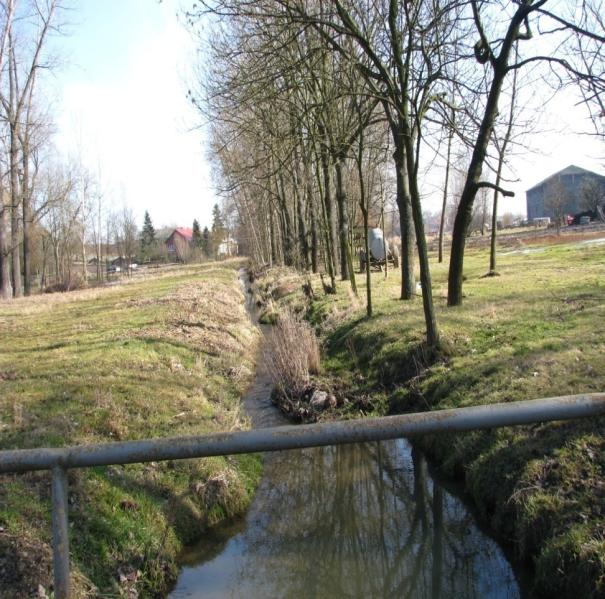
292 354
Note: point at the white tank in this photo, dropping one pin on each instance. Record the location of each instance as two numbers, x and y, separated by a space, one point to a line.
377 244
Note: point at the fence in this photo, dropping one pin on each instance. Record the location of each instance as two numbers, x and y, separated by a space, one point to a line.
60 460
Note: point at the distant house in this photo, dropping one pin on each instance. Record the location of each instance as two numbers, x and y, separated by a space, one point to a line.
179 240
227 247
571 180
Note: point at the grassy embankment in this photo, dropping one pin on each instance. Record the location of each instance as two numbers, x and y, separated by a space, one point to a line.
160 357
538 330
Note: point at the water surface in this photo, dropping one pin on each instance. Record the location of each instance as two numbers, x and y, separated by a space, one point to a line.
364 520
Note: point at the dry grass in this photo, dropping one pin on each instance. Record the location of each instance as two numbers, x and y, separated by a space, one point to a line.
292 354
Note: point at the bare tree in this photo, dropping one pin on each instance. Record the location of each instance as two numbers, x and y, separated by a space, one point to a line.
592 196
61 223
499 30
126 237
16 103
502 145
6 288
556 198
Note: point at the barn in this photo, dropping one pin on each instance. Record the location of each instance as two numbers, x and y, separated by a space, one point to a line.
563 192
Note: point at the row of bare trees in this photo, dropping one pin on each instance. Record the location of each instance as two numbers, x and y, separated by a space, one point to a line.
24 31
320 108
52 215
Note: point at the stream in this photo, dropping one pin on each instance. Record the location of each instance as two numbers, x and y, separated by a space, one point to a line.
364 520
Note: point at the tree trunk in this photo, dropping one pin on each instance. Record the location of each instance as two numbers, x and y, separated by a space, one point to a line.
408 283
312 215
492 248
364 212
445 186
286 223
303 235
27 222
15 215
343 220
58 274
432 333
384 242
84 260
329 221
465 208
27 216
501 158
366 245
314 233
6 288
43 272
273 252
464 214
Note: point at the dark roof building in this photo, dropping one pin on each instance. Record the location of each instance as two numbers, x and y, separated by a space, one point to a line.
568 183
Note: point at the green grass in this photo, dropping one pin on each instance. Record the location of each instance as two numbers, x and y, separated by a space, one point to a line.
153 358
537 330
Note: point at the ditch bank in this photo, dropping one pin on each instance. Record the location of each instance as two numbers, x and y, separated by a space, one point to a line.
165 356
360 520
539 488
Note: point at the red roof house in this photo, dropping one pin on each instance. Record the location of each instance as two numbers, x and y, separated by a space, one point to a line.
179 239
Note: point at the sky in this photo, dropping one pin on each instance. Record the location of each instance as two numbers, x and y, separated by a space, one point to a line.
121 105
562 137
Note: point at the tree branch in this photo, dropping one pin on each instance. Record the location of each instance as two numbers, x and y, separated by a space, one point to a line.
506 193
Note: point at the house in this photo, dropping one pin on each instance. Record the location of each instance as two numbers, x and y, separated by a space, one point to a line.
121 264
569 185
227 247
179 240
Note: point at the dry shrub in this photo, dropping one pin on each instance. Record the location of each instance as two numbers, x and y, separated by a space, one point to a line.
292 354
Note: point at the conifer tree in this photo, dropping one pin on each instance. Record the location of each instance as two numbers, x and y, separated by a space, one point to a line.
147 237
217 220
197 234
218 228
206 243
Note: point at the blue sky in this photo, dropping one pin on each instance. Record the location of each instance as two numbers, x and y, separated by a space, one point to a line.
121 105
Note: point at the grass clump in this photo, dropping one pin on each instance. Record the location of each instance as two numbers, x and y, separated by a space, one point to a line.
292 354
152 358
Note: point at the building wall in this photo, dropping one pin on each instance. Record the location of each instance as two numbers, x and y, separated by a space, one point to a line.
174 239
537 197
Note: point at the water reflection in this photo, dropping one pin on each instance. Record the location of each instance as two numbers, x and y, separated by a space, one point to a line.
363 520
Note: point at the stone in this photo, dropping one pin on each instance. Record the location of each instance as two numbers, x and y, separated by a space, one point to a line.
319 399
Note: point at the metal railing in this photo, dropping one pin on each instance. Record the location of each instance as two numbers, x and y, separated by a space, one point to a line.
60 460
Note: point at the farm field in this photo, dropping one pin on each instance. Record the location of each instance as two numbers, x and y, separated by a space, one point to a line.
537 330
157 357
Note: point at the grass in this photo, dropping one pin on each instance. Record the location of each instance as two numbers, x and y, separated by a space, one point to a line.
153 358
537 330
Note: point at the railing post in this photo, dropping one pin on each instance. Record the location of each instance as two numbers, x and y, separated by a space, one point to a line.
60 532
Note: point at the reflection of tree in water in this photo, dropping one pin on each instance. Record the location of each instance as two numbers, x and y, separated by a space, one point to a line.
364 521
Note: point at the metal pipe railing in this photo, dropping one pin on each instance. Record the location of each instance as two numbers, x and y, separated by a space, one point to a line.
59 460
